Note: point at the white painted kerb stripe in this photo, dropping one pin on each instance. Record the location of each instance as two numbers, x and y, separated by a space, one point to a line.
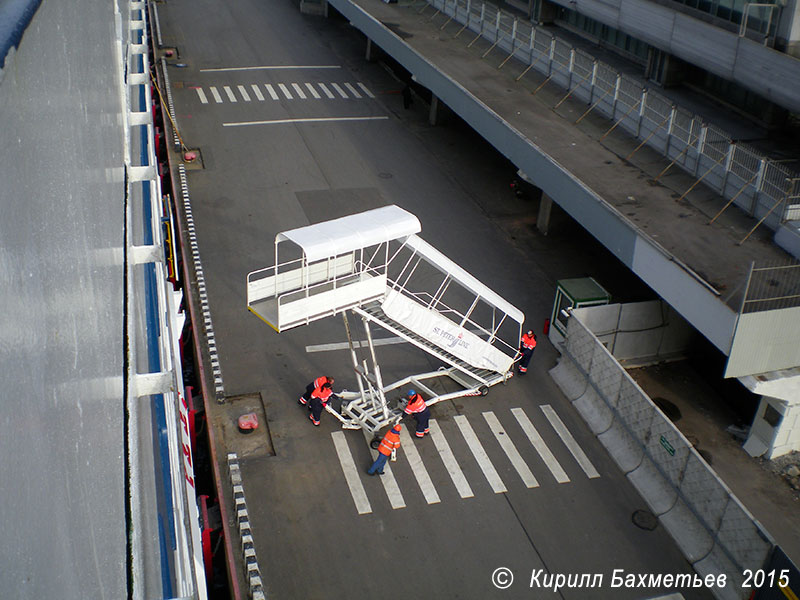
569 441
450 461
312 120
480 454
538 443
417 466
202 95
351 473
511 450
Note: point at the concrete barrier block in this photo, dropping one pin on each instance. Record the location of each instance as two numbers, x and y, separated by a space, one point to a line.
569 378
623 448
716 562
654 488
692 538
595 411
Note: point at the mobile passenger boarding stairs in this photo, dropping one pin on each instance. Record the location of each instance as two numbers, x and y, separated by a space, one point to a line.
374 265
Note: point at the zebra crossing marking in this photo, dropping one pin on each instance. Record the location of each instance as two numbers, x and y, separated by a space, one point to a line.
569 441
480 455
273 94
326 91
257 92
387 479
291 91
351 473
538 443
366 91
353 90
285 91
314 92
449 461
299 91
418 468
340 91
511 450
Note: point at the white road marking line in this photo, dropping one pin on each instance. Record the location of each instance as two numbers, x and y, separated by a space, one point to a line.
387 479
480 454
312 120
229 91
244 93
326 91
215 93
313 91
366 91
569 441
202 95
341 92
271 67
285 91
538 443
449 461
511 450
299 91
418 467
257 92
353 90
356 344
351 473
271 91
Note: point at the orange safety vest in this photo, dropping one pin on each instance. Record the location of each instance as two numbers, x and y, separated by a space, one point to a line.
529 341
391 441
322 393
415 405
320 381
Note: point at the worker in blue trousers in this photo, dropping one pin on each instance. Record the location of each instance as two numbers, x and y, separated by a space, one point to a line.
389 444
417 408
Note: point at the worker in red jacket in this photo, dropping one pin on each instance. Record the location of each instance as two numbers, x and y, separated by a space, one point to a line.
389 443
417 408
317 383
319 400
526 347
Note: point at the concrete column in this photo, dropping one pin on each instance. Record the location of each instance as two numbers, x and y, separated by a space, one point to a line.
545 208
433 115
372 52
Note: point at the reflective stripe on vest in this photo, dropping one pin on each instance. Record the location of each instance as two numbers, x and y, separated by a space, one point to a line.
528 341
415 405
390 441
322 393
320 381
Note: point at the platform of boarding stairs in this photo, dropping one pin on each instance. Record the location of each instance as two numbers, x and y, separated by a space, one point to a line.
374 267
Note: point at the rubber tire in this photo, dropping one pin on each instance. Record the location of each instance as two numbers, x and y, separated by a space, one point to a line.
484 389
375 443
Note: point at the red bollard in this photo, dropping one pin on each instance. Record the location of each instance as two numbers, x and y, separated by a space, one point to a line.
546 328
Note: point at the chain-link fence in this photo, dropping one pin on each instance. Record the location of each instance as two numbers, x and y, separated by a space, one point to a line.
759 186
715 532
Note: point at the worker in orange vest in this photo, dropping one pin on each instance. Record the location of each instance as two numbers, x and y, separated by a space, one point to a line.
417 408
317 383
319 400
389 443
526 347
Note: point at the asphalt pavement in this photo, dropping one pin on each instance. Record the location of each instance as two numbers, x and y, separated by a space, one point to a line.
277 157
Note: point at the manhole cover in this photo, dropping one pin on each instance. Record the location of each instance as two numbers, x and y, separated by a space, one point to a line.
644 519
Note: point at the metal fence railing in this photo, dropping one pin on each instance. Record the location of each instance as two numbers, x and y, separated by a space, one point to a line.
762 188
714 530
772 288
